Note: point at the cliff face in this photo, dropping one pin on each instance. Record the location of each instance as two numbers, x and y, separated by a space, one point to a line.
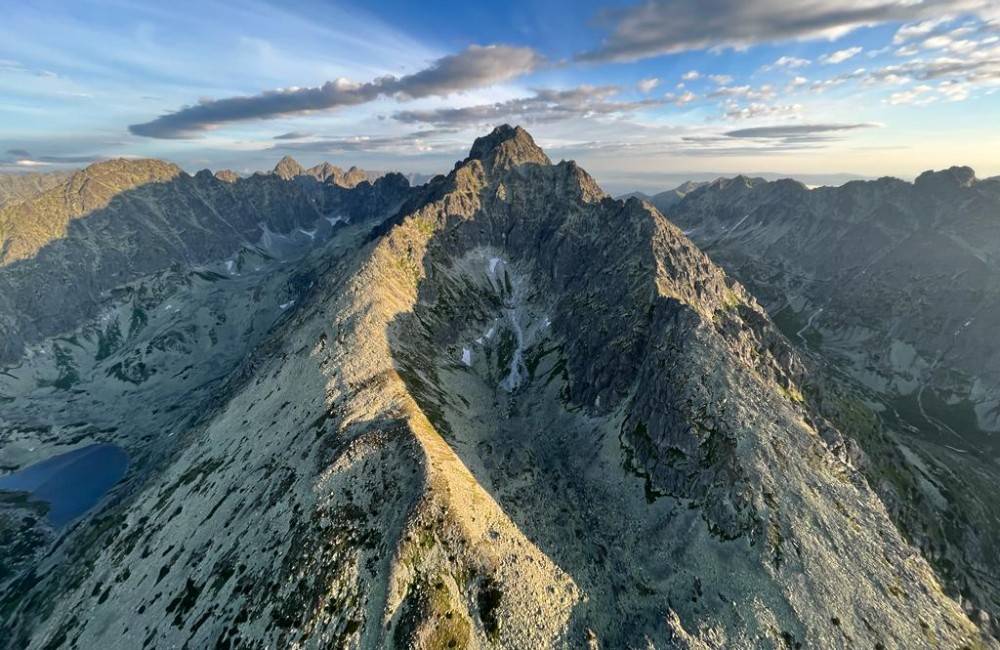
515 413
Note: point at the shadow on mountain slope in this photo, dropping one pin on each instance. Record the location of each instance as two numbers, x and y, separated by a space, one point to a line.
60 276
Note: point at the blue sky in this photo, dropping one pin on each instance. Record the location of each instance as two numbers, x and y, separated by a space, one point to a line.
638 92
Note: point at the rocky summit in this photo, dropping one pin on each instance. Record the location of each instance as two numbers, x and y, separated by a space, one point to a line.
498 410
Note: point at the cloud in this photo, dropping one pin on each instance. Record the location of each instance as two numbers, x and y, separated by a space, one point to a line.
954 91
293 135
919 96
721 79
546 105
765 140
797 132
946 77
952 42
413 143
473 67
629 143
736 111
681 100
840 56
648 84
690 75
24 158
790 62
913 30
656 27
745 92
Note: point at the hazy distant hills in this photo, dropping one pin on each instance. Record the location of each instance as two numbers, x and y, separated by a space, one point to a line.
625 183
663 201
498 410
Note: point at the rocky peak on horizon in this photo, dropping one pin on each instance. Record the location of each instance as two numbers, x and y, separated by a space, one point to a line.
288 168
945 179
505 147
227 176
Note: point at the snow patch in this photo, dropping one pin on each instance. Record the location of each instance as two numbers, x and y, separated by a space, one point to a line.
467 356
285 305
488 334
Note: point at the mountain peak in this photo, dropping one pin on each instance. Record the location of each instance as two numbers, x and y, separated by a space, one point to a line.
227 176
507 146
951 177
324 171
127 169
288 168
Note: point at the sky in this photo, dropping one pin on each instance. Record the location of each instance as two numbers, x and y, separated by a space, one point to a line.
642 94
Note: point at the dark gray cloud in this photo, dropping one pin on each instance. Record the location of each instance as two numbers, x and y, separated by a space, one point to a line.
655 27
795 131
293 135
546 105
473 67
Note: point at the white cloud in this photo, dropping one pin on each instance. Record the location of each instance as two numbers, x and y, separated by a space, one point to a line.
734 111
936 42
721 79
896 80
764 92
919 96
790 62
913 30
954 91
690 75
840 55
648 84
546 105
681 100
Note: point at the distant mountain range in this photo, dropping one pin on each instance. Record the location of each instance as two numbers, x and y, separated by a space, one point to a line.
648 183
897 285
497 410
